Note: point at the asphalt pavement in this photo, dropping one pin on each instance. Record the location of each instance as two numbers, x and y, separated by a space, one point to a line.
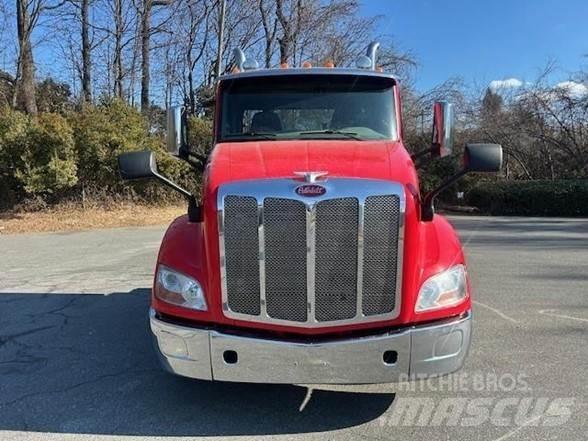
76 361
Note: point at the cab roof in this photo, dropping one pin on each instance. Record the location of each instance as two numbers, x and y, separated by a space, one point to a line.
260 73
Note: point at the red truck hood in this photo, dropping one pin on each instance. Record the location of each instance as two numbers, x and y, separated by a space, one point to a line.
274 159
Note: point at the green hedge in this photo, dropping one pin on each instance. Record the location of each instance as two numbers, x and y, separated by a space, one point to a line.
73 155
531 198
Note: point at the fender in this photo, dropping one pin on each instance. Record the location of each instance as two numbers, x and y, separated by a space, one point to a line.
182 248
440 250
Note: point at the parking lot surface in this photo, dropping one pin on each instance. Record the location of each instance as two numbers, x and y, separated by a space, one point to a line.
76 361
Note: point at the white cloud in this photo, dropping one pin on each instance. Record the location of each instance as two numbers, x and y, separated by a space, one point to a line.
509 83
575 90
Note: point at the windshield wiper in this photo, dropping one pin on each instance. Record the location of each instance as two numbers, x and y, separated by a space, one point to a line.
263 135
351 135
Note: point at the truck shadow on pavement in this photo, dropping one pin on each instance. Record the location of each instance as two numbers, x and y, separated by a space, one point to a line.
84 363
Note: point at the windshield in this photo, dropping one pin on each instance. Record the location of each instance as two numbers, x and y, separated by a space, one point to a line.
308 107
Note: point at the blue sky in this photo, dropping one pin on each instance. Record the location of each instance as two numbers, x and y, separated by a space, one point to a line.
483 40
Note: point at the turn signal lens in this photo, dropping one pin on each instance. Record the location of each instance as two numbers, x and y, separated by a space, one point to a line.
178 289
443 290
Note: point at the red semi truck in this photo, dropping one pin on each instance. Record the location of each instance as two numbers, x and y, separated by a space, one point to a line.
312 257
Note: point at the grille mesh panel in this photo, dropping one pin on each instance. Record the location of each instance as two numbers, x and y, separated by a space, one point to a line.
380 255
336 259
285 259
241 254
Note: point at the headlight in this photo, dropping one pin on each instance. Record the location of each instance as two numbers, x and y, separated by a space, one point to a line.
445 289
178 289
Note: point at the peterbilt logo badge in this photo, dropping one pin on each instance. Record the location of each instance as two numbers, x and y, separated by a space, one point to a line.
310 190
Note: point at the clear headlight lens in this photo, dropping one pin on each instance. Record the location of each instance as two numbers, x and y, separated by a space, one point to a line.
179 289
445 289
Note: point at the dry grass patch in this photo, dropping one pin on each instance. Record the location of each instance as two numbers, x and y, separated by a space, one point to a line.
74 217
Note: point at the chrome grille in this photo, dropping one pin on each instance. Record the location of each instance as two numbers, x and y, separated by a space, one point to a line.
336 259
311 261
241 252
284 222
380 253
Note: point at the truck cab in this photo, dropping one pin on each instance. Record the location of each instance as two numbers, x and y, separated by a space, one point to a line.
311 256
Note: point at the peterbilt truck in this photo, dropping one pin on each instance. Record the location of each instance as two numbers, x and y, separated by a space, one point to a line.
311 255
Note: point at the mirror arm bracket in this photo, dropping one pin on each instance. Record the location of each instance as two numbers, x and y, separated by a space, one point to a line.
194 209
196 160
422 153
427 206
173 185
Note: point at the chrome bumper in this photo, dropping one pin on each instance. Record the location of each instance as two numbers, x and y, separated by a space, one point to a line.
412 352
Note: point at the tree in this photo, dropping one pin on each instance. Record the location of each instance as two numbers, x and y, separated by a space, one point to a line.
26 17
6 88
289 22
491 104
53 96
78 44
86 52
194 34
145 12
270 28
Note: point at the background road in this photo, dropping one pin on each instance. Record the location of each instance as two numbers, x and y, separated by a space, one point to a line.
76 360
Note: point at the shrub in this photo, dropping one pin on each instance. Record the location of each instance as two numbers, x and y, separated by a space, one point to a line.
105 131
13 135
101 133
55 158
49 162
36 156
200 133
531 198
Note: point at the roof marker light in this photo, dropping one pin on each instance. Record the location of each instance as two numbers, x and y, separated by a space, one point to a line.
307 64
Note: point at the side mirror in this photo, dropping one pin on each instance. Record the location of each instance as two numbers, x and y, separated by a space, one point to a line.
476 158
176 130
482 157
142 165
137 165
443 129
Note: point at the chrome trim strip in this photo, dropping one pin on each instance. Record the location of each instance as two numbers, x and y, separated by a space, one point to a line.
223 264
360 225
310 261
400 255
261 258
285 188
